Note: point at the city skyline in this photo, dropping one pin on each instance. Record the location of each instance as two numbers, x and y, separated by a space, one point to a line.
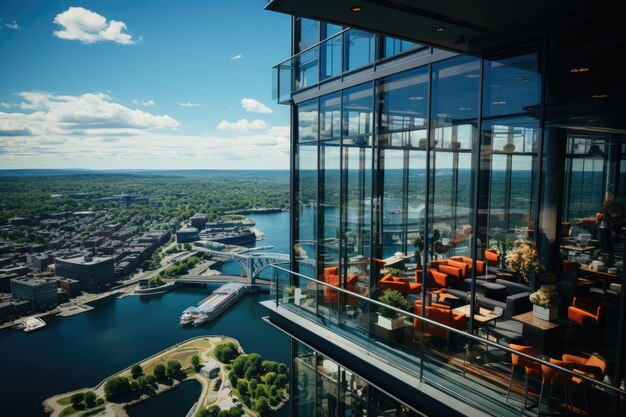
152 85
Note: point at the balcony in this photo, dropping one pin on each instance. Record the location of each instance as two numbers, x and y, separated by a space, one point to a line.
472 370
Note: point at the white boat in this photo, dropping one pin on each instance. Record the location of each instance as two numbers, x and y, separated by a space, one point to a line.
218 302
33 324
188 316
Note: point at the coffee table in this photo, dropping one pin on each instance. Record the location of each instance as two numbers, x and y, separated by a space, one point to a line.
541 334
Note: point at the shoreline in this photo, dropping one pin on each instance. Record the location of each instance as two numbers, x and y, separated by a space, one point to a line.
52 407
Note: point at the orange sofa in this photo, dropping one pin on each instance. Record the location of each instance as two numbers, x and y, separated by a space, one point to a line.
441 314
403 285
481 266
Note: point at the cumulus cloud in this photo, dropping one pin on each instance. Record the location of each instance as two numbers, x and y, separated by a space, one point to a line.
189 104
254 106
13 25
242 125
145 103
5 105
83 25
90 130
236 57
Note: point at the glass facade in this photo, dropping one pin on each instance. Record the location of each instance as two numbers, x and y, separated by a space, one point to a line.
453 191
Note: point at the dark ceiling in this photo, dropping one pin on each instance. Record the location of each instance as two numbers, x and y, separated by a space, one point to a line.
468 25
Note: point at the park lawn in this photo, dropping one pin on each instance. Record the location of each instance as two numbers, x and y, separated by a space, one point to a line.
68 411
64 400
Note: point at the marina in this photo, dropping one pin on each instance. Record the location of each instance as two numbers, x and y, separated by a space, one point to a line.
210 308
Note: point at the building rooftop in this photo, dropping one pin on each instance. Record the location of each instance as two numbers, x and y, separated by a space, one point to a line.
34 281
85 260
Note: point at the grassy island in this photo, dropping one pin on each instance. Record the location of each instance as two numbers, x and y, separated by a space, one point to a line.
233 383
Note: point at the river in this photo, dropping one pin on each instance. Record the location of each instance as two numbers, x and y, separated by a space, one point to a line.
80 351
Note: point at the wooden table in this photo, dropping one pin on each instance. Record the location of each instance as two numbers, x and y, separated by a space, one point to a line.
541 334
484 316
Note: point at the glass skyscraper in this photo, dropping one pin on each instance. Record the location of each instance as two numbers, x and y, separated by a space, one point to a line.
452 183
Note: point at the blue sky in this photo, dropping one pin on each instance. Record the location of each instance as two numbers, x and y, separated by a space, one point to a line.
141 84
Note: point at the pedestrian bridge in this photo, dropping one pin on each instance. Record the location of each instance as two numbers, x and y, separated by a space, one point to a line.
253 263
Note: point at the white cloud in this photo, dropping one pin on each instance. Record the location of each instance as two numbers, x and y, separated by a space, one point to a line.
13 25
45 130
145 103
87 114
236 57
189 104
242 125
254 106
5 105
88 27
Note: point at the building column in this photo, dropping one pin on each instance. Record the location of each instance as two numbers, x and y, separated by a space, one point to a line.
551 201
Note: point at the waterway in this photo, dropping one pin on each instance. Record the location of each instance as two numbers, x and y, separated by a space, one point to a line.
80 351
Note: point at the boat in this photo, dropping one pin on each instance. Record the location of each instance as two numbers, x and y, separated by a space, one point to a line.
187 317
33 323
218 302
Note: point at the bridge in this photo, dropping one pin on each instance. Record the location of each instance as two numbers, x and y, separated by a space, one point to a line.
220 279
253 263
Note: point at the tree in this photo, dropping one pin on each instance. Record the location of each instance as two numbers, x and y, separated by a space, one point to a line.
282 369
90 398
270 366
117 386
260 392
239 366
235 412
77 400
226 352
173 368
134 386
262 406
195 362
270 378
242 387
252 384
212 411
254 365
281 381
136 371
159 371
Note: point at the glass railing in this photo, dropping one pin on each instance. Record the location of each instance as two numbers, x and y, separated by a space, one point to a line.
345 51
472 368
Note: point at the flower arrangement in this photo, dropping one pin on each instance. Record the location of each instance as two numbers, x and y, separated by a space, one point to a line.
546 296
524 259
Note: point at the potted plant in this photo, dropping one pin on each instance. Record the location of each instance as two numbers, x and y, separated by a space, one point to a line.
524 259
545 302
387 318
501 244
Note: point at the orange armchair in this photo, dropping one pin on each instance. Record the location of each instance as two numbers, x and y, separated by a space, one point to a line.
403 285
492 258
442 314
440 279
331 295
585 312
593 365
531 369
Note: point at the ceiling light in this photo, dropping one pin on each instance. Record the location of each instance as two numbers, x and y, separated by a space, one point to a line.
472 75
599 96
355 9
465 108
498 102
439 29
577 70
416 98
